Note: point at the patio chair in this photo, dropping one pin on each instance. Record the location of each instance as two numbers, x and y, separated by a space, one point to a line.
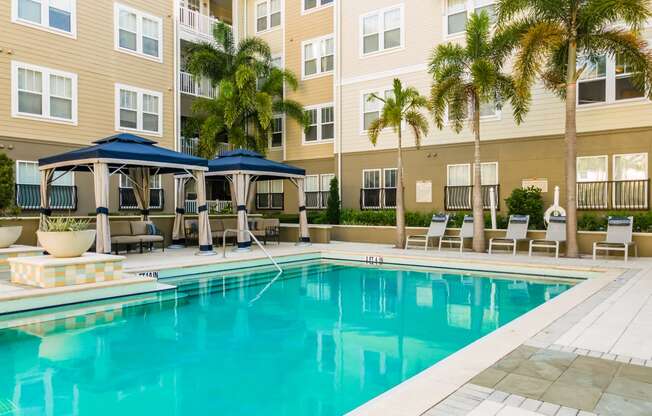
619 237
516 232
555 235
466 232
437 230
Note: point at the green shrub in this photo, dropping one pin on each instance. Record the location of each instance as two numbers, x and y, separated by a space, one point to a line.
382 217
592 222
7 184
333 209
527 201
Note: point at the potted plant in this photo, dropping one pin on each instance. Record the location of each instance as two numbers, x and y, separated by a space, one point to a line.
8 235
66 237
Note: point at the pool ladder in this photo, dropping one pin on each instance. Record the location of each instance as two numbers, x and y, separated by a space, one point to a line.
253 237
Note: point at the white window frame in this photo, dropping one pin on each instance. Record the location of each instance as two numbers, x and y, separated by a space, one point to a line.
320 189
319 124
316 45
319 6
487 184
45 19
269 193
380 13
139 110
451 165
470 8
610 88
57 175
271 141
645 205
496 116
268 16
45 93
605 158
139 32
128 185
363 131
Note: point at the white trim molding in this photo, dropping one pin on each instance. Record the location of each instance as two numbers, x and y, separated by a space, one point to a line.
318 47
140 18
44 22
138 109
319 124
379 14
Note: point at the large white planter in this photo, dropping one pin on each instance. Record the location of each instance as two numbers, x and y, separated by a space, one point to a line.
9 235
66 244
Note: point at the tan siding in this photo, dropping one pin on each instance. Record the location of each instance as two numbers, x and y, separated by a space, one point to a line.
98 66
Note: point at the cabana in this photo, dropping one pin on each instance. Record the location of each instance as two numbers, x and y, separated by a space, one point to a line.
137 158
242 168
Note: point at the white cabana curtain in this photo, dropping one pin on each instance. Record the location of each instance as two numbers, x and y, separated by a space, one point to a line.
140 180
205 238
304 233
179 229
46 179
101 181
241 183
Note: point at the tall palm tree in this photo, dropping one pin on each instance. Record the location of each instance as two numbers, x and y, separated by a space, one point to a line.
250 91
464 78
553 34
400 107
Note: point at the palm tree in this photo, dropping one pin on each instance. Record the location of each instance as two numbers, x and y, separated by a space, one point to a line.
465 78
250 91
553 34
400 107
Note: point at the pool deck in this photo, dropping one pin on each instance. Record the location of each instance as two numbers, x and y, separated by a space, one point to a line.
586 352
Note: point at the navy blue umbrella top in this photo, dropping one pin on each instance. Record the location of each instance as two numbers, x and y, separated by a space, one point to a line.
125 149
249 161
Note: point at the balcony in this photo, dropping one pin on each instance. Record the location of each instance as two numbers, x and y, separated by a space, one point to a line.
270 201
216 206
188 84
608 195
316 200
196 22
28 197
377 198
460 198
190 146
128 199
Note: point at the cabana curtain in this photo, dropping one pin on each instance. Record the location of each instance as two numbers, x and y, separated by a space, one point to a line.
46 178
179 229
304 233
241 182
205 237
140 180
103 237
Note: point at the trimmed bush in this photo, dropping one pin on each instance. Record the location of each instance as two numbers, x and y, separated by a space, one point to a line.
527 201
333 209
7 185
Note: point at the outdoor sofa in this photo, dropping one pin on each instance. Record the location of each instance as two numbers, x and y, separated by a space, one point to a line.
125 234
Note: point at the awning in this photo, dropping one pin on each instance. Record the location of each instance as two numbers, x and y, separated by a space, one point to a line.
253 163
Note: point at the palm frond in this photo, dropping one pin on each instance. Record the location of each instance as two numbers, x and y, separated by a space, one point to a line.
418 124
477 35
374 130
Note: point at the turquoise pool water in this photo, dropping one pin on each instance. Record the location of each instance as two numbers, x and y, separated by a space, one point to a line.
321 340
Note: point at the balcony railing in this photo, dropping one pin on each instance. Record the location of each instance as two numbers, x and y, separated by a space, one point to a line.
316 200
606 195
202 87
461 197
377 198
190 146
197 22
270 200
213 206
128 199
28 197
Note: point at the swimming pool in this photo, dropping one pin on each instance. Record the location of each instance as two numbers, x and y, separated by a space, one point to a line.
322 339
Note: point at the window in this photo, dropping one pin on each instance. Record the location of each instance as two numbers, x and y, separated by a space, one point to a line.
268 15
378 188
138 110
605 80
58 16
489 173
382 30
592 169
371 179
317 188
592 186
269 194
630 167
371 108
389 177
28 185
322 124
277 132
457 12
488 111
44 93
318 56
311 5
138 33
458 175
630 187
154 181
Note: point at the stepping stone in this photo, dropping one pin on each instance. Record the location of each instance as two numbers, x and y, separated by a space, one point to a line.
489 377
572 395
615 405
625 386
524 386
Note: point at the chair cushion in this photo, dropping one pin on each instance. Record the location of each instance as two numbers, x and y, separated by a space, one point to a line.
125 239
150 238
230 223
216 225
138 228
152 229
120 228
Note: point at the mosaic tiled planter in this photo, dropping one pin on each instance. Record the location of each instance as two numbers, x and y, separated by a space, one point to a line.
16 252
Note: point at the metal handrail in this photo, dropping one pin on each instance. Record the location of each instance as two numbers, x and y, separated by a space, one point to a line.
257 242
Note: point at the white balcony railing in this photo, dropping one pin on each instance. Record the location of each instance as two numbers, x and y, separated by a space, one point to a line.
216 206
197 22
199 88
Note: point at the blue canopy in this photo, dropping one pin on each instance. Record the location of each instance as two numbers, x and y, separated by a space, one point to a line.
247 161
125 150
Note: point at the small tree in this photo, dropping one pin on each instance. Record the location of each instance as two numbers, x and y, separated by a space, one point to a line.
333 210
527 201
7 184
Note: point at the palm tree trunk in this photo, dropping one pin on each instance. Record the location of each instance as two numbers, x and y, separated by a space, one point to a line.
478 212
400 207
571 153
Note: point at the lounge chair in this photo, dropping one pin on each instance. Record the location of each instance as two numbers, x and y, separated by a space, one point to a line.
437 230
466 232
516 232
555 235
619 237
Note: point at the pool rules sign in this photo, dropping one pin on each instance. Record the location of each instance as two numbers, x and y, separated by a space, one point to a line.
424 192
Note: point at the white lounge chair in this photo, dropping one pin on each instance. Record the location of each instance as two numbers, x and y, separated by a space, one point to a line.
516 231
555 235
437 229
619 237
466 232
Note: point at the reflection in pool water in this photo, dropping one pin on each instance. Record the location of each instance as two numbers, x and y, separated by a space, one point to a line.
321 340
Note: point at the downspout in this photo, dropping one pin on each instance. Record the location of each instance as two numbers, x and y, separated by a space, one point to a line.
176 99
338 94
